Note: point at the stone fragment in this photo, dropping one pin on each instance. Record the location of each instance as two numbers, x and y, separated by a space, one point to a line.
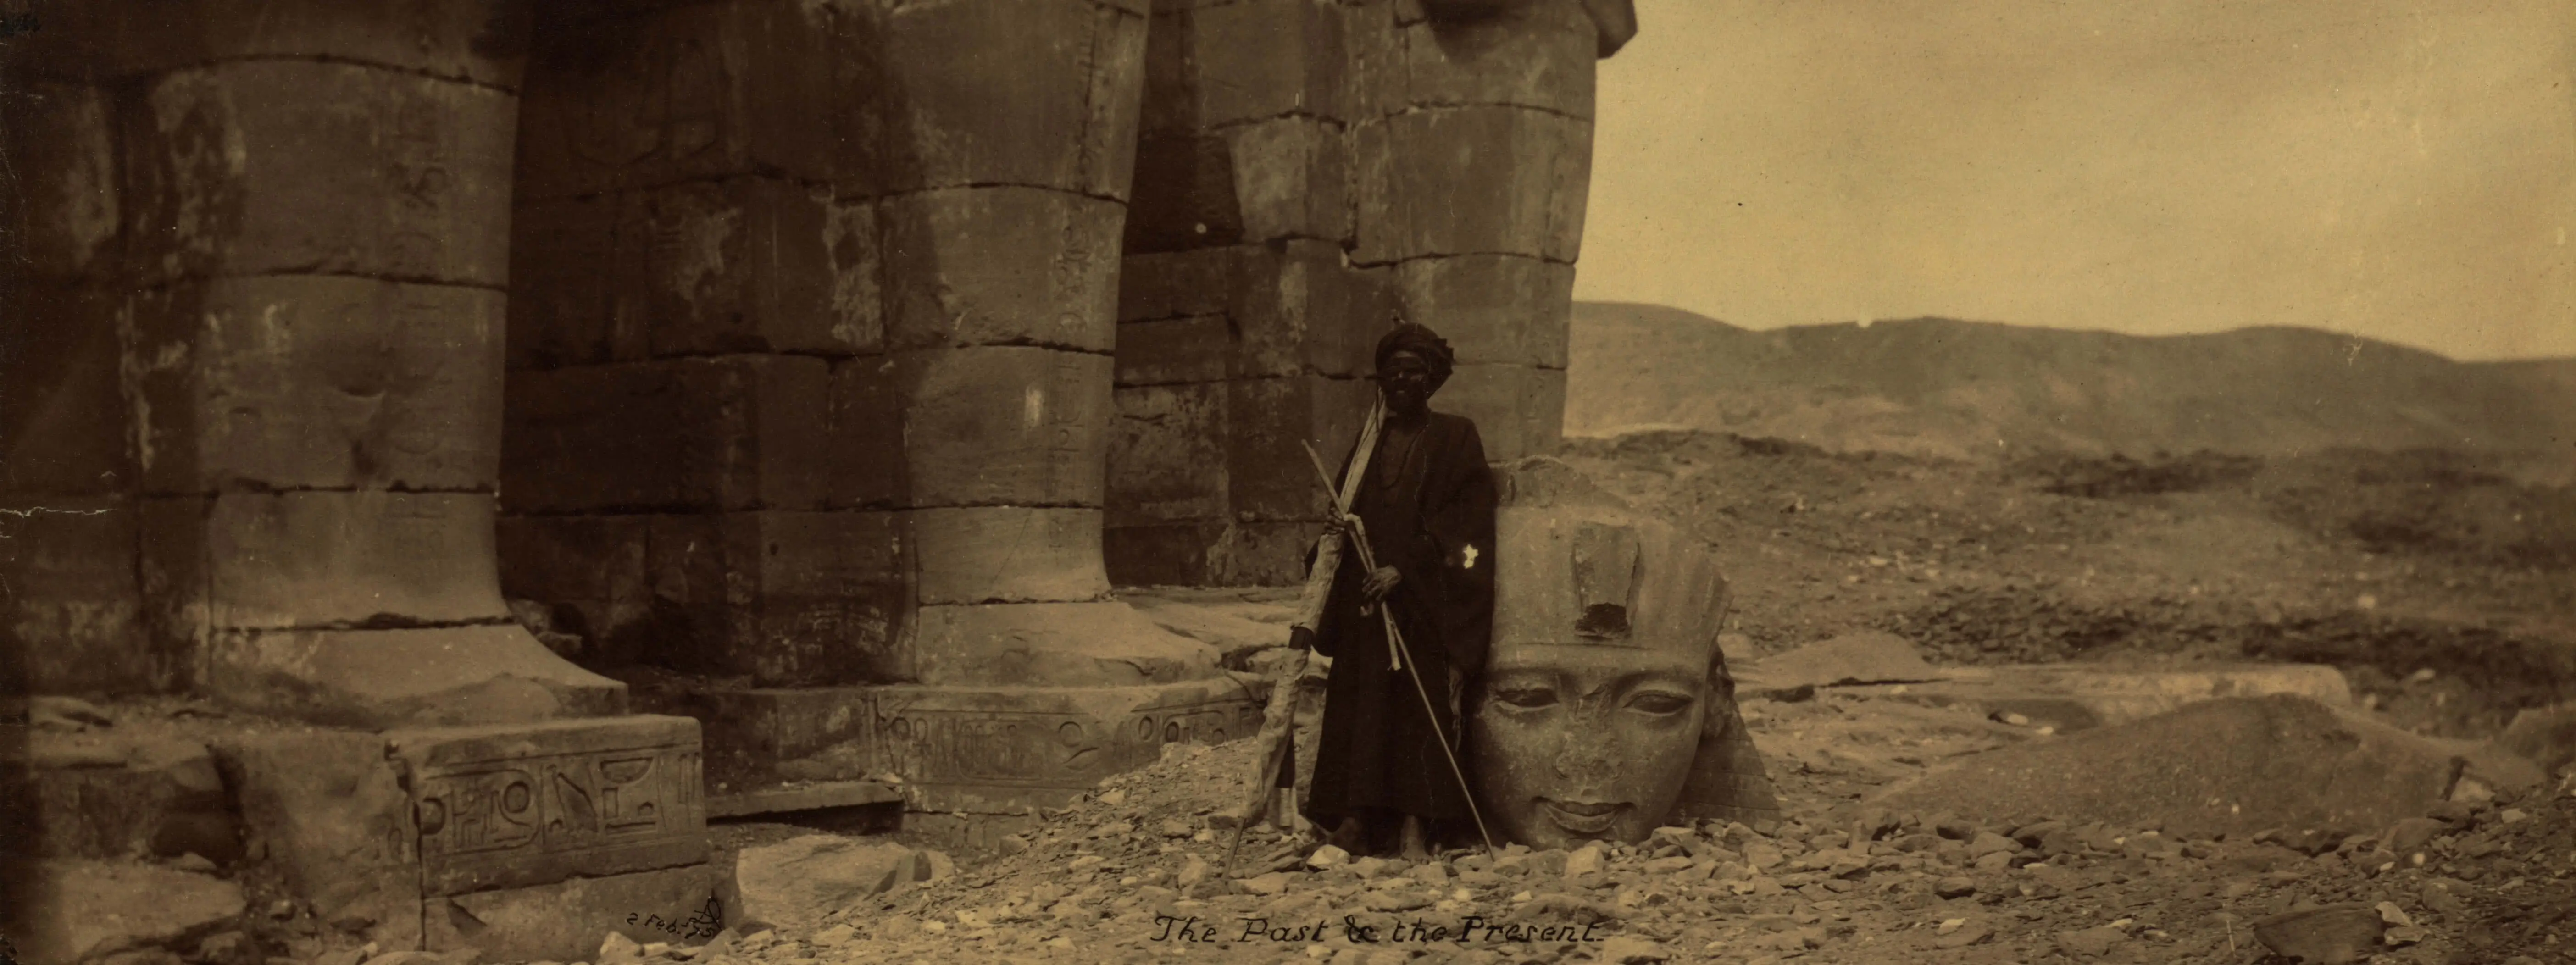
597 798
2269 762
1326 857
1857 658
1630 950
1267 884
1585 860
1988 842
154 906
2544 735
1955 886
1965 935
618 949
2091 942
2410 835
795 883
2332 934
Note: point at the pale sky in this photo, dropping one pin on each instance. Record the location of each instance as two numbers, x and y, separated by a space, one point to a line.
2401 169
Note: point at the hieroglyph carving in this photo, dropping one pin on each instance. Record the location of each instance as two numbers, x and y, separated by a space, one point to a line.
506 807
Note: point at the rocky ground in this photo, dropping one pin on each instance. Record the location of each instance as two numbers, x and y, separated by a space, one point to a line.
2443 584
1135 873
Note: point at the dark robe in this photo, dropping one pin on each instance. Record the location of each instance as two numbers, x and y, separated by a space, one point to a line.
1378 752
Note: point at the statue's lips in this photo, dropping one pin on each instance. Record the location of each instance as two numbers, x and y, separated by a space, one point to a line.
1580 817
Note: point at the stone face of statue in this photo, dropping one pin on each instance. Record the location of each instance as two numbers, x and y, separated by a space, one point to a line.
1604 675
1578 742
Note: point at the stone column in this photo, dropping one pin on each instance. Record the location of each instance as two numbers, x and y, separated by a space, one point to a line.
1010 131
1474 168
316 223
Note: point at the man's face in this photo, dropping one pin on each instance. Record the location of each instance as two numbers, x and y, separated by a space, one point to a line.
1582 742
1405 381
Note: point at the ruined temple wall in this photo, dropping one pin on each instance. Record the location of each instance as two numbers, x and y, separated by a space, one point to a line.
1306 169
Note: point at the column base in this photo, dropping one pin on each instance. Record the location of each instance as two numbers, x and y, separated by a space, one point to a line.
412 677
960 751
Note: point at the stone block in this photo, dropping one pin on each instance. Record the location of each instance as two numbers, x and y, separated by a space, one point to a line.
113 795
757 737
1262 553
1297 309
1006 750
1001 266
1472 180
331 814
1042 93
727 432
350 558
61 144
786 598
65 427
73 608
1004 426
1101 644
566 306
864 425
1184 195
1269 477
1167 455
1292 178
481 41
1519 410
1262 59
563 921
1539 55
309 381
1373 66
750 264
692 92
171 574
236 169
797 882
1174 351
2234 765
402 677
154 906
1006 554
512 806
1494 309
1175 284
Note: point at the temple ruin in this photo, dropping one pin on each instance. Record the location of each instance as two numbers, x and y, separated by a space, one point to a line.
832 359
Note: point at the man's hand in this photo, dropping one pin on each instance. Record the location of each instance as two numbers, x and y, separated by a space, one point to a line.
1380 583
1300 638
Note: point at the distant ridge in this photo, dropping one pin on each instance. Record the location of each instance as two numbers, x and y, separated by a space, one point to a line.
1941 387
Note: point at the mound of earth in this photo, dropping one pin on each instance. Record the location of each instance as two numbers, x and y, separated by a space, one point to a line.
1955 389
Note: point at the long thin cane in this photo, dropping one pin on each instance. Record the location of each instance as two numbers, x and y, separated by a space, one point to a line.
1412 667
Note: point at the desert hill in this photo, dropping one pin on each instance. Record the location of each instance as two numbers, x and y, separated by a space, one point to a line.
1940 387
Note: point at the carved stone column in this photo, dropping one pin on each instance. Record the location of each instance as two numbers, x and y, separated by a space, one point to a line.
315 223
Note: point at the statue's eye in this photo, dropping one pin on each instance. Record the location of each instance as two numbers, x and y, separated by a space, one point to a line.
1657 702
1526 698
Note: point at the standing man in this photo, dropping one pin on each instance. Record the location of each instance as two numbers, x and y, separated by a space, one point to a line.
1426 504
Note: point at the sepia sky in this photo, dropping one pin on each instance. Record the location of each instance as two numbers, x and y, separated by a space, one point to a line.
2402 169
